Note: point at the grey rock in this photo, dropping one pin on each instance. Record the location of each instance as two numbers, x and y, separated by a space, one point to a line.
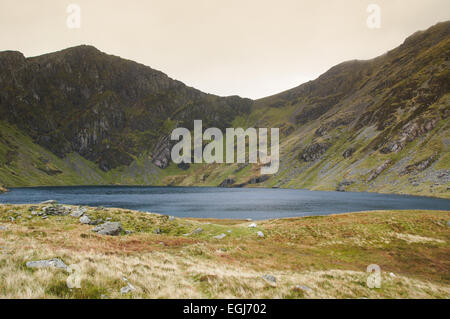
314 151
269 278
171 218
343 184
127 289
260 234
44 217
12 218
49 202
108 218
78 213
157 231
56 210
252 225
194 232
3 227
96 222
54 262
85 219
221 236
302 287
227 182
108 228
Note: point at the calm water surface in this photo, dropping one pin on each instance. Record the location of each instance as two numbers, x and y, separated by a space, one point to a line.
212 202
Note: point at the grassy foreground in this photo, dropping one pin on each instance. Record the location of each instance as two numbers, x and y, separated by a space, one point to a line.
327 256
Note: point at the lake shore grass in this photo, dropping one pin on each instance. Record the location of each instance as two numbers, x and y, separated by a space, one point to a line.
162 257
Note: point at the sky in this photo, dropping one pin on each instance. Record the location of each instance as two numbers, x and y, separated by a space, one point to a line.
251 48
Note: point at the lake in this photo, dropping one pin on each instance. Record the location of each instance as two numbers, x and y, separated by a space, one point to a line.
213 202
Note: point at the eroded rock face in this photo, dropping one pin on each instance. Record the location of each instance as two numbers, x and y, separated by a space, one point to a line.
343 184
348 152
409 133
420 166
228 182
374 174
161 152
314 151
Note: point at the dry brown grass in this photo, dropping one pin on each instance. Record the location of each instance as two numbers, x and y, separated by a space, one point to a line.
327 254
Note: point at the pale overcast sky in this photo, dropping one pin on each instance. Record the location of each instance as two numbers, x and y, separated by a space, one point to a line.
252 48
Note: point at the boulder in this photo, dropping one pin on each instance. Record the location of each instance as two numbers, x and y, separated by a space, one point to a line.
49 202
96 222
54 262
78 212
108 228
85 219
260 234
127 289
269 278
56 210
252 225
302 288
219 236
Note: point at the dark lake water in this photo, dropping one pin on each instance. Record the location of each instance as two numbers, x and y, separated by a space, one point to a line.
212 202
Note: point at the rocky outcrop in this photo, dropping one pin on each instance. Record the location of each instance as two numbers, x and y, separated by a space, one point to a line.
51 263
108 228
420 166
227 182
3 189
103 107
409 133
161 153
348 152
343 184
314 151
374 174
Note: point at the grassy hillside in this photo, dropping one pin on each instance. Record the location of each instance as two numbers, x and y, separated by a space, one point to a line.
309 257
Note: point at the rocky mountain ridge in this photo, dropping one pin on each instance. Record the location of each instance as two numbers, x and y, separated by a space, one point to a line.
80 116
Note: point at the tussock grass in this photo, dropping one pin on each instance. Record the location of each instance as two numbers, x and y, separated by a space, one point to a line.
328 254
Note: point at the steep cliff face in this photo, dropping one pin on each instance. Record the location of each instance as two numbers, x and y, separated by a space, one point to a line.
104 108
376 125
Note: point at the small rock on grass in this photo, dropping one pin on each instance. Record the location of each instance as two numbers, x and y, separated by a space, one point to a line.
78 212
219 236
3 227
302 288
108 228
128 288
252 225
194 232
85 219
260 234
269 278
54 262
49 202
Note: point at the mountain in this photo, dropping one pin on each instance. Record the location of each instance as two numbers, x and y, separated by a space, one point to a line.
80 116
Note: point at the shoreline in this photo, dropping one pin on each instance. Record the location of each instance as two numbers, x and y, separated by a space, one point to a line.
447 196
